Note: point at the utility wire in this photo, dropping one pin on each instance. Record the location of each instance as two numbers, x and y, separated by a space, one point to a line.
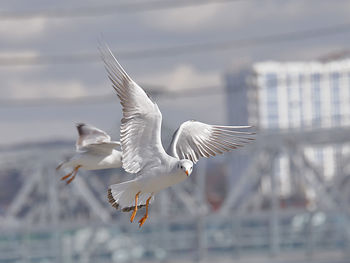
108 9
89 99
290 81
180 49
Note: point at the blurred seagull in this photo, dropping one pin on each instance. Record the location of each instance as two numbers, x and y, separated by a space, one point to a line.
143 153
94 151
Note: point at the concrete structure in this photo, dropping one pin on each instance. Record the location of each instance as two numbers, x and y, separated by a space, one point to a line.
300 95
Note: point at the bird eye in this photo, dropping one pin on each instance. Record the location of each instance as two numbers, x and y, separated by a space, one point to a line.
181 166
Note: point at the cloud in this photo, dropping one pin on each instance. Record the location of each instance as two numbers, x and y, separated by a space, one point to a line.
216 16
45 89
183 77
184 19
20 53
22 29
247 15
9 56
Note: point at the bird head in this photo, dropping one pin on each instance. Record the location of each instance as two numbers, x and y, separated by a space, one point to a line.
186 166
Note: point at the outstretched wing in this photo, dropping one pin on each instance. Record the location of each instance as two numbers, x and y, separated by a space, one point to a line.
141 123
92 138
194 139
103 147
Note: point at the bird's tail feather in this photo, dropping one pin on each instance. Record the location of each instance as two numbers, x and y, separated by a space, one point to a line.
64 164
60 166
68 162
123 196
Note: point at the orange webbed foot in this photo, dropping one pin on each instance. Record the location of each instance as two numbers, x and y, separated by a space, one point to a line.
143 220
135 209
66 176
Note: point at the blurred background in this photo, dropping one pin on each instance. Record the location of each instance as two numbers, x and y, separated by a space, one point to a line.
280 65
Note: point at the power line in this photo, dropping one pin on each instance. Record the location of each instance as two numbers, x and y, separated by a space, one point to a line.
200 92
179 49
93 99
120 8
161 92
158 92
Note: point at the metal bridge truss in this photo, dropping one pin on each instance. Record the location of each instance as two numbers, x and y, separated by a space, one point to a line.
50 221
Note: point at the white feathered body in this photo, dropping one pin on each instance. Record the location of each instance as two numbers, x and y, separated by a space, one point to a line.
94 161
156 179
94 150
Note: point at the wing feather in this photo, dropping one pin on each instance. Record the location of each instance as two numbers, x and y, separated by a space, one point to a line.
103 147
195 139
141 123
93 139
89 135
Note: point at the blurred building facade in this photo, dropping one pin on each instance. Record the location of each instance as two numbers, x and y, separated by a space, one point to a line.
301 96
237 114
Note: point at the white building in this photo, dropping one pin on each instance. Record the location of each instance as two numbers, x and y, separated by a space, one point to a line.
301 95
237 114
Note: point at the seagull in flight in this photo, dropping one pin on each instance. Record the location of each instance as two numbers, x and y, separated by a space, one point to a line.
94 151
143 152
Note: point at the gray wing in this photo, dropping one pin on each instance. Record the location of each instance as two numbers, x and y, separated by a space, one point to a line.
92 138
194 139
103 147
141 123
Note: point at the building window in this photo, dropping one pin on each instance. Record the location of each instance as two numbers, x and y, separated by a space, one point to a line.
301 86
316 99
335 98
291 102
271 99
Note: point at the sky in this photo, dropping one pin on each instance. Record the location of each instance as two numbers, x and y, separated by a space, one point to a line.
42 33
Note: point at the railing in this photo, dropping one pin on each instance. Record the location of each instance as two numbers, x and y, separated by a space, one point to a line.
299 232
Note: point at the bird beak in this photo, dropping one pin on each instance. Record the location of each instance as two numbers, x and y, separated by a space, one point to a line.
186 172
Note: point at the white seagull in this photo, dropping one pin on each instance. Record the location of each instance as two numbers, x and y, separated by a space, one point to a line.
94 151
143 153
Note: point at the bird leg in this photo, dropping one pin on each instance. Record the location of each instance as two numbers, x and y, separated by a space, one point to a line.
75 171
72 174
135 209
66 176
144 218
